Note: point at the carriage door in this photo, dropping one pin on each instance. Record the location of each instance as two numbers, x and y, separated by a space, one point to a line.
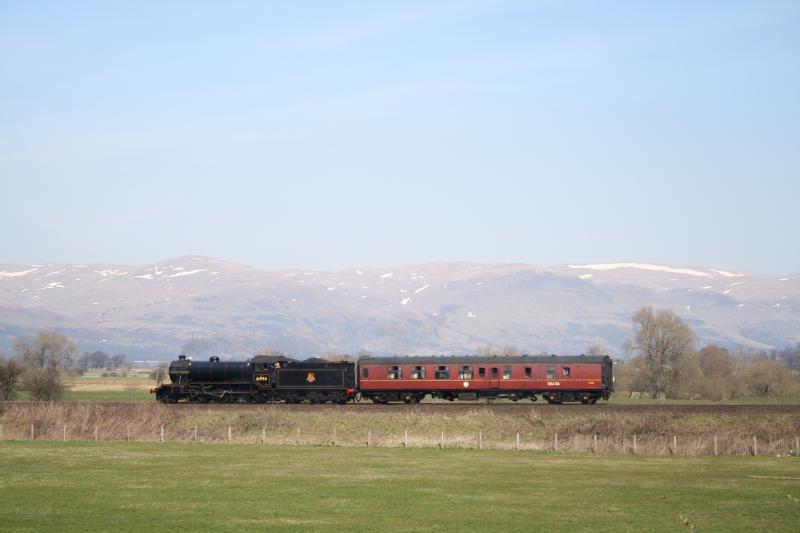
494 377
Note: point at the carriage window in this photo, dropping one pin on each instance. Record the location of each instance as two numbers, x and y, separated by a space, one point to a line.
494 372
482 372
528 372
395 372
506 372
465 372
365 372
442 372
565 371
551 372
418 373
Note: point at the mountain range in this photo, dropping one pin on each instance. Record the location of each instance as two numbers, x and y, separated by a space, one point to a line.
202 306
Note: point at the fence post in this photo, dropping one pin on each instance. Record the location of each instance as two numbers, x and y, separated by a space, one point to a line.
298 436
480 440
195 434
674 444
441 442
516 444
263 434
95 432
333 442
715 445
405 439
555 443
595 443
755 446
162 433
65 433
127 433
634 444
1 431
229 434
796 443
32 432
369 439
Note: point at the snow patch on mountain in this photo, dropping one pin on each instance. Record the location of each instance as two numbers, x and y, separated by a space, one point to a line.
726 274
187 273
643 266
5 274
107 273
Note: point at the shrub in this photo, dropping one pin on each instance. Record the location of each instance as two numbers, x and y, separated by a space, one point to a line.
44 384
10 372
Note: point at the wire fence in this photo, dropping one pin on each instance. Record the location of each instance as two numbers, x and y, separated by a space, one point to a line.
574 443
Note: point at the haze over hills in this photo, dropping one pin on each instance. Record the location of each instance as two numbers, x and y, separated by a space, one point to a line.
208 306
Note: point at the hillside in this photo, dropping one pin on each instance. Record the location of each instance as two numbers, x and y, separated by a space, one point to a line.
205 305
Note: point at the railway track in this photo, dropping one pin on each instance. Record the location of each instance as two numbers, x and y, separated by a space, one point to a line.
428 408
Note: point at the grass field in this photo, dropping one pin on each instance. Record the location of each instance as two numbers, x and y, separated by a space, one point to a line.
76 486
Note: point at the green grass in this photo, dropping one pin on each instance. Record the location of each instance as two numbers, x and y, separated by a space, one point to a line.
133 395
49 486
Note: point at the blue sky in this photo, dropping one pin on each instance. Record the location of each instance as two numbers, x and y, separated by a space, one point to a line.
338 134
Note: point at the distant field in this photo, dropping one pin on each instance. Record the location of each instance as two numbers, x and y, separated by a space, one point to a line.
76 486
95 387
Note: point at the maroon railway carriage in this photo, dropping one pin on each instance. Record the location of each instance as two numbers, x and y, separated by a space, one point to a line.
557 379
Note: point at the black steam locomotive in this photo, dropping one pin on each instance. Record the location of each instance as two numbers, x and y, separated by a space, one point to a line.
261 379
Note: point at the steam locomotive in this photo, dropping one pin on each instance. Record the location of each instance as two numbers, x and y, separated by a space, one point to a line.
266 379
261 379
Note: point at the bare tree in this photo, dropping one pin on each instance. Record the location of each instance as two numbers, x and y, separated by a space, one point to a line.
116 361
763 376
42 355
663 340
160 372
47 349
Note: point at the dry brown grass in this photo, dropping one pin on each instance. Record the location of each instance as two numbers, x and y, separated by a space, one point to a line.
582 431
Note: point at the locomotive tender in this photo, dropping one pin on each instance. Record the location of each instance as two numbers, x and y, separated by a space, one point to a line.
263 379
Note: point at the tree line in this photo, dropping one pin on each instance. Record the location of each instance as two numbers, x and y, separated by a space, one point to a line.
39 360
666 364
